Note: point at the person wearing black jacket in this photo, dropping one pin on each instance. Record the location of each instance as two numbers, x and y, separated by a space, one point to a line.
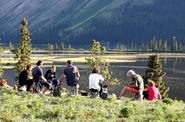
25 78
51 76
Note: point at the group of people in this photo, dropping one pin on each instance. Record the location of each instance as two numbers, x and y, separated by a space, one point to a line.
34 80
137 87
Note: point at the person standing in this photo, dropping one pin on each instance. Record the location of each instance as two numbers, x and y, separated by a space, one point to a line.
26 78
72 75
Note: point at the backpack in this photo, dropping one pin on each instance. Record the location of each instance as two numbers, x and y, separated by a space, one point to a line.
104 93
57 90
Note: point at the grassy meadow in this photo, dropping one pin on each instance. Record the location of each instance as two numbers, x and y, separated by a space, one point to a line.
21 107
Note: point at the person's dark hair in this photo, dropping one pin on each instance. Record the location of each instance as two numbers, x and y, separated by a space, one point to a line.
95 70
39 63
53 66
69 62
28 67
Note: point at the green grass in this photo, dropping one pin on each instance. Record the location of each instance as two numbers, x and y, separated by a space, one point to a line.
21 107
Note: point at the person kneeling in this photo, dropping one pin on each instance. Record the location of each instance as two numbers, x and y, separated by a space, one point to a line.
136 87
95 80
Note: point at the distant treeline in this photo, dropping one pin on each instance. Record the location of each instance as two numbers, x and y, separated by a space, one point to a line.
154 44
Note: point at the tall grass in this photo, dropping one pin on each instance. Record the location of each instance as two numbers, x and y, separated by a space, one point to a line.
21 107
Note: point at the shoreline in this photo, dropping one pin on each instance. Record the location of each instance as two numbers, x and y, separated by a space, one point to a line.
8 57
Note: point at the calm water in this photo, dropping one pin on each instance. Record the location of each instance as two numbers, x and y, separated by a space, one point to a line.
175 77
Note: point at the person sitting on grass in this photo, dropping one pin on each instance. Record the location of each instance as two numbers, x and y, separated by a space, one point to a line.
41 84
153 92
4 84
50 76
26 78
136 87
72 75
94 80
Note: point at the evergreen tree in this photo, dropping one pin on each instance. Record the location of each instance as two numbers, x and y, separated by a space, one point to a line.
174 44
165 45
50 48
23 53
62 46
121 47
155 45
151 44
69 47
143 46
132 46
11 46
160 45
56 46
155 73
180 46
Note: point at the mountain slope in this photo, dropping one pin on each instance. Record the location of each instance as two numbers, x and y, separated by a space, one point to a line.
79 21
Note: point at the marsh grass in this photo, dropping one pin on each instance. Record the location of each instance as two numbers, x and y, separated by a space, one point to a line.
21 107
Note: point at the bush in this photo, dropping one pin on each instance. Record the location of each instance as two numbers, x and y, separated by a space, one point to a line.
168 101
126 112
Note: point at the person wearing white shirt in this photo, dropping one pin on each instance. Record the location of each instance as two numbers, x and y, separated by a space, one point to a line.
95 79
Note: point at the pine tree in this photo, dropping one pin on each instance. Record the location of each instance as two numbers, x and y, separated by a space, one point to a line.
174 44
23 53
155 73
50 48
56 46
121 47
62 46
11 46
160 45
132 46
180 46
165 45
69 47
155 45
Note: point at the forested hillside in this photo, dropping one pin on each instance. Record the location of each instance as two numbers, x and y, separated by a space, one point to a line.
79 21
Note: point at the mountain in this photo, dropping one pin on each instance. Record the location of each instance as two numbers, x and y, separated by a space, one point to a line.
79 21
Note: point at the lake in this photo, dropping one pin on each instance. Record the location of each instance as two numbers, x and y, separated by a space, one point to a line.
174 68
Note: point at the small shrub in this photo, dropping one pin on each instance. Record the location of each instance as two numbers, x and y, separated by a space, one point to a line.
126 112
168 101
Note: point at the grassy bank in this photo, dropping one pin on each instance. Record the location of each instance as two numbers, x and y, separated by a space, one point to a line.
21 107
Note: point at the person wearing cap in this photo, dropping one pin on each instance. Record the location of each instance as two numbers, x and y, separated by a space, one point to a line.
136 87
153 92
72 75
